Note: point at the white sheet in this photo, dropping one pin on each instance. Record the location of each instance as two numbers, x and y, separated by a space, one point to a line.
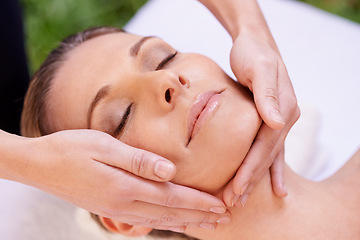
321 51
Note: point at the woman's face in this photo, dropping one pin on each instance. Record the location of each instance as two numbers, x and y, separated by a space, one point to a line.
178 105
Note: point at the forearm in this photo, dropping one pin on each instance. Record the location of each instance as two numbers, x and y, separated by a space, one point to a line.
238 15
14 156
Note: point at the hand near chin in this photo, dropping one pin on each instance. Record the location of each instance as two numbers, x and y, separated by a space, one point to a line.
257 64
99 173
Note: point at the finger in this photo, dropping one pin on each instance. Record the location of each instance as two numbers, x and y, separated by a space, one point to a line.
176 228
245 196
139 162
266 147
229 196
277 175
150 214
174 196
209 226
231 199
258 160
266 96
181 225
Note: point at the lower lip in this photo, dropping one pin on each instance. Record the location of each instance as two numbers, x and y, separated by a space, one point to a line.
206 113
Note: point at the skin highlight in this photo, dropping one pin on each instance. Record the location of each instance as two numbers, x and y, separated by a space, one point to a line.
160 103
187 77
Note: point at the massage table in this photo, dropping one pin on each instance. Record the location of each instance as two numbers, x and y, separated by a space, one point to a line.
322 55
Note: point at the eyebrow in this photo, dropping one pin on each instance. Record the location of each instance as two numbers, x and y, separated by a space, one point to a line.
135 49
100 94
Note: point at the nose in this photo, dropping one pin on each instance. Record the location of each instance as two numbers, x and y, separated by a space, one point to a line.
166 87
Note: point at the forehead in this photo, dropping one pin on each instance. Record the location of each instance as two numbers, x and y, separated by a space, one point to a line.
87 68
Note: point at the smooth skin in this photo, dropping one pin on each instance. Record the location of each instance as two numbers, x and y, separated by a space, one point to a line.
84 147
257 64
153 95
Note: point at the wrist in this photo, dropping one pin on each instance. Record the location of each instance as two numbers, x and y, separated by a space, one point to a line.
15 157
238 16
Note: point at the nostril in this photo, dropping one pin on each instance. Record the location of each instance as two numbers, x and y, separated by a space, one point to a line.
183 81
168 95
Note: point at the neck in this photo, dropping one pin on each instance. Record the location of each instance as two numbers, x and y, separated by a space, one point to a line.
310 211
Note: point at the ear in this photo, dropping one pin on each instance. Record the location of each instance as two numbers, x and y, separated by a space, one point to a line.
123 228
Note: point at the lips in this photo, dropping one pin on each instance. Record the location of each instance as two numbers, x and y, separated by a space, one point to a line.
204 105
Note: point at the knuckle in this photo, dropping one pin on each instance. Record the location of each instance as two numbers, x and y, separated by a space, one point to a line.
293 104
272 95
172 201
150 222
206 218
297 113
139 163
167 217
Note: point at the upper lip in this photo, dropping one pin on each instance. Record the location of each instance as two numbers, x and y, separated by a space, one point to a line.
197 108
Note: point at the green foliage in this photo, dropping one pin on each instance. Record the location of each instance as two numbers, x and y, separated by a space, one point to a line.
346 8
49 21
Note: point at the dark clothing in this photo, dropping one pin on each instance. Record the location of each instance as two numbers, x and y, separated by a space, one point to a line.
14 75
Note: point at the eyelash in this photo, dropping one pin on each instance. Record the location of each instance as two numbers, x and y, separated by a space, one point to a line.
165 61
123 120
128 110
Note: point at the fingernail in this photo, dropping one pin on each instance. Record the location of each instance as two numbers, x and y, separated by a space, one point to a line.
243 189
275 115
163 169
235 199
244 199
207 226
219 210
177 229
224 220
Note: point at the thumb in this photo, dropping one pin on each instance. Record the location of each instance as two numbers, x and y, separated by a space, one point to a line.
136 161
266 97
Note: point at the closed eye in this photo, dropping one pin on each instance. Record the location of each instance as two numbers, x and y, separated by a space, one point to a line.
123 122
165 61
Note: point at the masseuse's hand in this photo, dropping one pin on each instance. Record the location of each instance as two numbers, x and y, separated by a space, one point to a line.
257 64
99 173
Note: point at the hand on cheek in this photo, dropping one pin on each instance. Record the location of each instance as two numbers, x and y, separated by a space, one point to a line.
257 64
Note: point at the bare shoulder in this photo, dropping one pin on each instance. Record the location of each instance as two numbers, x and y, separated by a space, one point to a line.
348 174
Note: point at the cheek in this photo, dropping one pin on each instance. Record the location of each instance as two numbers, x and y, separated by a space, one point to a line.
155 135
200 69
222 145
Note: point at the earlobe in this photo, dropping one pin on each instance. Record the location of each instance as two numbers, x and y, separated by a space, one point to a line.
124 228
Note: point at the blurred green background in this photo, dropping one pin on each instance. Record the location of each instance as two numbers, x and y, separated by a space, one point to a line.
49 21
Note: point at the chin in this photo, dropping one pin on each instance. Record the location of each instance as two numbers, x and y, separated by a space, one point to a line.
220 149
